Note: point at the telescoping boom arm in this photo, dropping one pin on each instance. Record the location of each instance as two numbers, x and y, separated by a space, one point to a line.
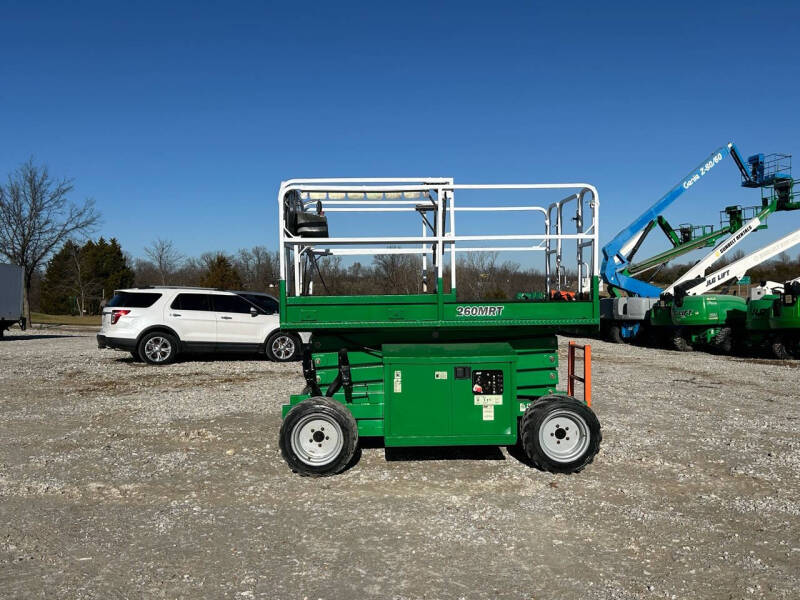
737 269
619 252
720 250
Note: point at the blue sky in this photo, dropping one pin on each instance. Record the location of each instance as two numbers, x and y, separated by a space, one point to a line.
181 119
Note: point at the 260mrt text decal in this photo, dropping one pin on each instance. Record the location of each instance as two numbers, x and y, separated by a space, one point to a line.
479 311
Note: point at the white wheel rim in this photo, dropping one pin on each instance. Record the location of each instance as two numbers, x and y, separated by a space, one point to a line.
564 436
283 347
317 440
157 349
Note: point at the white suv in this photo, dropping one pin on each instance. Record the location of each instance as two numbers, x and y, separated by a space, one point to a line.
155 324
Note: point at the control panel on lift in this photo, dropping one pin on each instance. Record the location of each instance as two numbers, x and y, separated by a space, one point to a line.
487 382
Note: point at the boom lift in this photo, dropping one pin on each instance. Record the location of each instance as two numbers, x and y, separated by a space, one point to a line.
758 336
784 321
623 316
713 320
432 368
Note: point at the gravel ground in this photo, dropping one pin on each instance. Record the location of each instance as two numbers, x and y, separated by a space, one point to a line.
120 480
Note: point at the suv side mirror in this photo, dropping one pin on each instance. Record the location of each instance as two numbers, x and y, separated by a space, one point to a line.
253 311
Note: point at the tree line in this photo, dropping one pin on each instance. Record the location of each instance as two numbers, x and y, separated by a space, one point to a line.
79 277
66 271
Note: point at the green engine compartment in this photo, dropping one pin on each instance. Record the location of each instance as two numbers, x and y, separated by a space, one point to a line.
709 310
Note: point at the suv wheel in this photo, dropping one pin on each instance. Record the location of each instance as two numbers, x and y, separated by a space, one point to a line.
282 347
158 348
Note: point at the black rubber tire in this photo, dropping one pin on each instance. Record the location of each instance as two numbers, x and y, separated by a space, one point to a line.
614 334
680 343
723 341
173 344
135 356
536 416
779 351
328 409
279 358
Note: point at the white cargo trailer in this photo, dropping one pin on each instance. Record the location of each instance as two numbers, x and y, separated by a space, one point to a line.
10 297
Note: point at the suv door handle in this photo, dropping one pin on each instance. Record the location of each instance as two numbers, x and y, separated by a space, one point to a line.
226 318
175 315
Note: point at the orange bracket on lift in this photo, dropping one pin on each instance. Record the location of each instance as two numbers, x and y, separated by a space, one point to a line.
587 371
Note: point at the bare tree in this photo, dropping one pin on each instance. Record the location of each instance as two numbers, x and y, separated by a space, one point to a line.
258 267
399 273
84 286
165 257
146 272
36 217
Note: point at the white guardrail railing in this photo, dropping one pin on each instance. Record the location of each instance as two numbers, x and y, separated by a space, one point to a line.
438 235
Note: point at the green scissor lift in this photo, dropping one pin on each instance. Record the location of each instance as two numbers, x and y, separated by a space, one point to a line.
431 368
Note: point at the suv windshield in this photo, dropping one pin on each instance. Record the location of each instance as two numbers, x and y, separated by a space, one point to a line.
134 299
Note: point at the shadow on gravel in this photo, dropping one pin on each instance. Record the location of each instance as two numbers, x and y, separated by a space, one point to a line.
190 358
432 452
20 338
518 453
444 453
795 364
221 357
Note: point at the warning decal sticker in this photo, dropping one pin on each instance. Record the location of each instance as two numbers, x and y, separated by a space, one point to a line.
488 400
398 382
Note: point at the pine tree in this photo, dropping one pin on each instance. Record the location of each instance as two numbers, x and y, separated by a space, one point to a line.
220 273
58 295
78 278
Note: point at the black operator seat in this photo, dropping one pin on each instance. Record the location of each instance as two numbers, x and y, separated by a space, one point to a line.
301 222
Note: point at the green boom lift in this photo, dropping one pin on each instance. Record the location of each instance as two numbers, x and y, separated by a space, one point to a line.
431 368
773 318
688 315
722 321
758 336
